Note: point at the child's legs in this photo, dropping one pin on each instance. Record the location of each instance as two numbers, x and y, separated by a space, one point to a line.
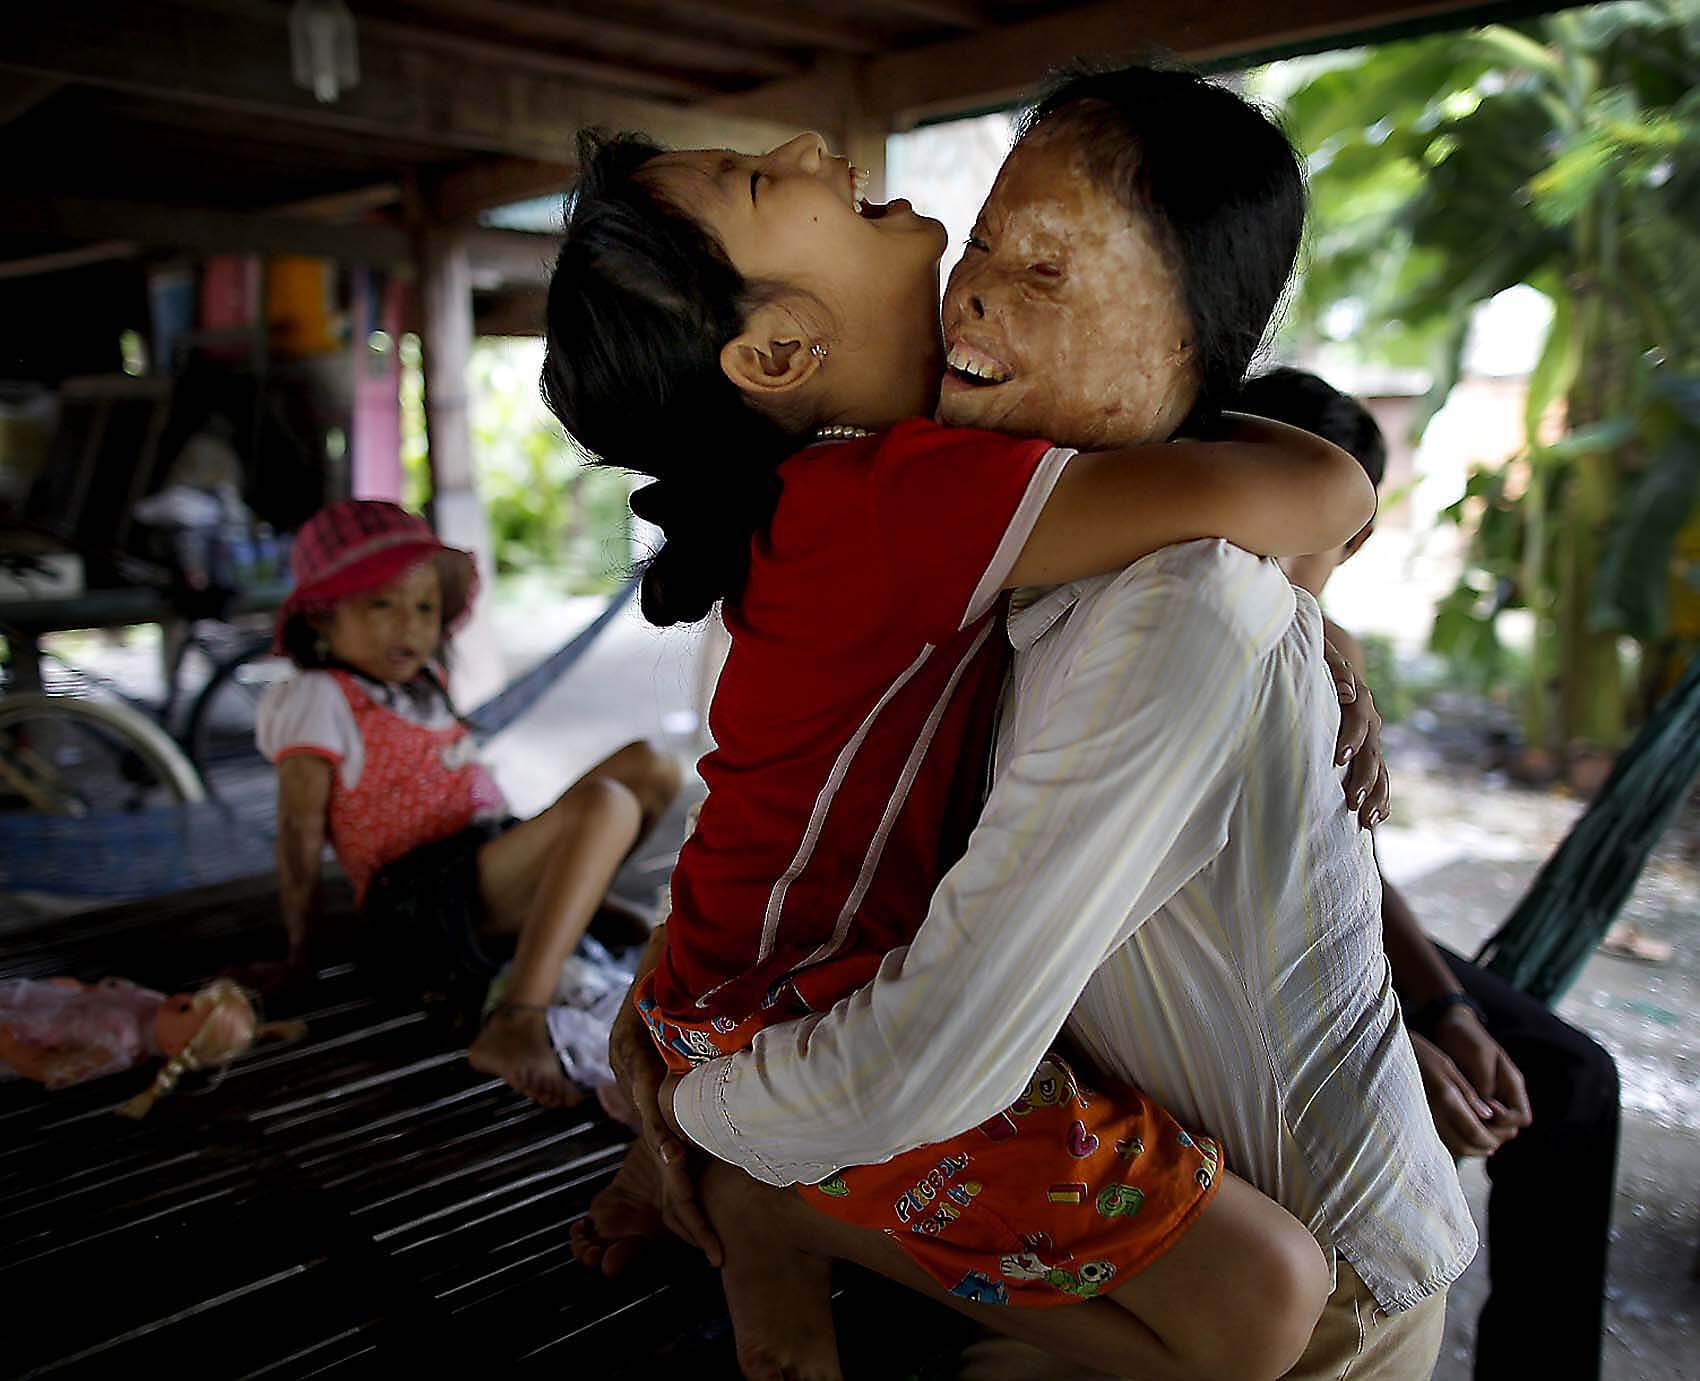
546 876
1239 1293
511 867
1235 1297
649 773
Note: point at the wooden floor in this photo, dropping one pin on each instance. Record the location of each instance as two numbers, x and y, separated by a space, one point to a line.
350 1205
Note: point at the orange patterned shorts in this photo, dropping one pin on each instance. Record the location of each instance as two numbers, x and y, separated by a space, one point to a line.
1058 1198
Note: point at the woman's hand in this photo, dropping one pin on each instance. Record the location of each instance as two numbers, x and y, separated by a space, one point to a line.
643 1077
1368 787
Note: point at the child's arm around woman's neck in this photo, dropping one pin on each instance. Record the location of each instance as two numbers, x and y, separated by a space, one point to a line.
1264 486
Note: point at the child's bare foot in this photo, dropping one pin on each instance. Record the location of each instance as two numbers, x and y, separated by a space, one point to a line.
624 1218
780 1298
615 1103
515 1045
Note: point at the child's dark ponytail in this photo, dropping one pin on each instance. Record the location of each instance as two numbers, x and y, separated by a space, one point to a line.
640 304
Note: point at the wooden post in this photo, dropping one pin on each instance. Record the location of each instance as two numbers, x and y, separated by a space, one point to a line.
457 513
375 439
864 145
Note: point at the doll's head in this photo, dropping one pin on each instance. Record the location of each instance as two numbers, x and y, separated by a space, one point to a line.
214 1024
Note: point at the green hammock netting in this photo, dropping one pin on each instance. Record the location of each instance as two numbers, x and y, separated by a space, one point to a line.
1572 902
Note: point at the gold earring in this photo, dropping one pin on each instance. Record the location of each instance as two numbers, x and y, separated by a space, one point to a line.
818 351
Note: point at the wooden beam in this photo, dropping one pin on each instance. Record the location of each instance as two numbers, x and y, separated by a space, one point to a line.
341 206
778 22
508 256
236 60
545 61
496 256
512 312
816 101
201 229
457 512
21 93
1000 65
38 264
949 14
461 193
645 45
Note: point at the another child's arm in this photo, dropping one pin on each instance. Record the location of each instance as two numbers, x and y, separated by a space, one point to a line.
1270 488
303 804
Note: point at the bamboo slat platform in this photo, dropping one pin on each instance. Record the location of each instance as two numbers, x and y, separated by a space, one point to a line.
351 1205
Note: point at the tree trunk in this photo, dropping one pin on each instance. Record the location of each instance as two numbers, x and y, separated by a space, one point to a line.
1591 708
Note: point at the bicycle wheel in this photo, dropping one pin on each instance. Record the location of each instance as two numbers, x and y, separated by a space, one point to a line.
220 731
69 756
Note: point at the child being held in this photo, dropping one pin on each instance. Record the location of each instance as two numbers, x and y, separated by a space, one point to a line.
372 757
751 334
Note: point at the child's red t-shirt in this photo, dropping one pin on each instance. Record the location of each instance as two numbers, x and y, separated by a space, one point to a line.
851 719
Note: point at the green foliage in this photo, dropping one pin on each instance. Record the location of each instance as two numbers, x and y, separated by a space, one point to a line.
550 513
1565 155
1393 696
1632 587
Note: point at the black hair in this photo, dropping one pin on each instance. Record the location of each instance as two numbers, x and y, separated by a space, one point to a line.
1217 178
303 644
640 303
1301 399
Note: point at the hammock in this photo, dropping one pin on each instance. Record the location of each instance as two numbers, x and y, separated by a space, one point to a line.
514 699
1579 891
119 854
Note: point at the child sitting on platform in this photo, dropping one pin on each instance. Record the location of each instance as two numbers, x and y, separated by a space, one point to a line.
372 756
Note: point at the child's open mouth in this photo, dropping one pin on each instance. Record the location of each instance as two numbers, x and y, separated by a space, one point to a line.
975 367
870 210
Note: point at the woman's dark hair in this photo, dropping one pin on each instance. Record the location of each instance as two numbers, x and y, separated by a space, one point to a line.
1301 399
641 301
1215 176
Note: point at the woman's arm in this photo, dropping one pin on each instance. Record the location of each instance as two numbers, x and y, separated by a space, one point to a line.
1269 488
1107 807
303 804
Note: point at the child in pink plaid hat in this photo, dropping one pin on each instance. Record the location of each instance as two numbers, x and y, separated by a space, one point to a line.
372 758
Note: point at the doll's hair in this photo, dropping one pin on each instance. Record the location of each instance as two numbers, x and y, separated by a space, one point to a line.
1301 399
640 303
1216 177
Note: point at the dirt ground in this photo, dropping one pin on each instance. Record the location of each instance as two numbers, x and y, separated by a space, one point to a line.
1463 845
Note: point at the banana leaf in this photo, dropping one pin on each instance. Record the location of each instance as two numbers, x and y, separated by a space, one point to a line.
1578 893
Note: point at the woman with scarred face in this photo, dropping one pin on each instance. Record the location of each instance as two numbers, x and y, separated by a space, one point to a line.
869 556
